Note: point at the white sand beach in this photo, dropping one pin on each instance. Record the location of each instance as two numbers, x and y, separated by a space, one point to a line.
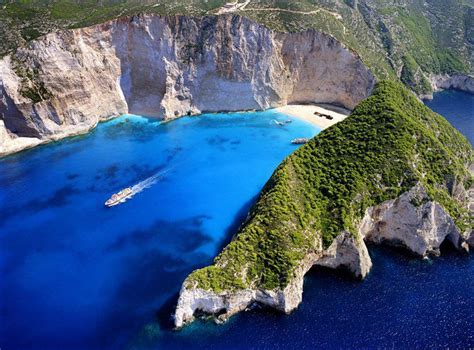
306 113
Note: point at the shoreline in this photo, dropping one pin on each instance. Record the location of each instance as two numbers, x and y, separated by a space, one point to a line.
299 111
307 114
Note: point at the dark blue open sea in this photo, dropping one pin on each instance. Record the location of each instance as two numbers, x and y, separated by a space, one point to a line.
458 108
76 275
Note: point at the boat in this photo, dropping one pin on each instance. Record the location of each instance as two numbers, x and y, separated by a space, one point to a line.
281 123
299 141
322 115
278 122
119 197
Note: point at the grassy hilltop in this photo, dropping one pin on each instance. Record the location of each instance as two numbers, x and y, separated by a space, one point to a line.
405 38
389 143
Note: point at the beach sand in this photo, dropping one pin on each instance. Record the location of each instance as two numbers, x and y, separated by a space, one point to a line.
306 113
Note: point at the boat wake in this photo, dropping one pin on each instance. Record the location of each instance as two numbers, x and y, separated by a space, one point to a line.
130 192
147 183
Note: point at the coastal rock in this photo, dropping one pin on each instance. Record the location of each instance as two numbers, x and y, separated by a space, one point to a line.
412 221
348 252
470 239
345 252
456 81
66 82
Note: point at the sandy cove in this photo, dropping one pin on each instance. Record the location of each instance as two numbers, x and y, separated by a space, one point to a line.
307 113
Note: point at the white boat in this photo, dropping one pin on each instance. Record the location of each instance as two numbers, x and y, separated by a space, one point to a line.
119 197
299 141
277 122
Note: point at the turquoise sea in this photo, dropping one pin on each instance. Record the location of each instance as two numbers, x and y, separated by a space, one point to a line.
77 275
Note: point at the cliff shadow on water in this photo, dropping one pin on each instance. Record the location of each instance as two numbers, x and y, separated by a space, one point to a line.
238 221
164 315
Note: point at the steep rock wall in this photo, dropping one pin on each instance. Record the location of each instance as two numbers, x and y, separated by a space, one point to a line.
345 252
456 81
412 221
66 82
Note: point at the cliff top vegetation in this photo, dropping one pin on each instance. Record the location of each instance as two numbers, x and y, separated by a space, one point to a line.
387 145
408 39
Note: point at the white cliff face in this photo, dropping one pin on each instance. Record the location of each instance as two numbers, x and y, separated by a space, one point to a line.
64 83
411 221
349 252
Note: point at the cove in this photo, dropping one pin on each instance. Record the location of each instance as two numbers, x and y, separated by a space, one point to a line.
78 275
75 275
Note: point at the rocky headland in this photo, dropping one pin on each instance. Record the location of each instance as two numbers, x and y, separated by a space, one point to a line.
393 172
66 82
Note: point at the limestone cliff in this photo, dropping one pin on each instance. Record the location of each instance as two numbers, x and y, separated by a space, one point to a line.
65 82
345 252
412 221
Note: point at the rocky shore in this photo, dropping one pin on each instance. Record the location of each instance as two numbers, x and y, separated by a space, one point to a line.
411 221
421 229
457 81
346 252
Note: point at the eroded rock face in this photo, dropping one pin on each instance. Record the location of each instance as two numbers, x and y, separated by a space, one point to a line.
470 239
411 220
348 252
65 82
457 81
345 252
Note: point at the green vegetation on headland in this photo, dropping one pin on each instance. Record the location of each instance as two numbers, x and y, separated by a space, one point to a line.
388 144
409 39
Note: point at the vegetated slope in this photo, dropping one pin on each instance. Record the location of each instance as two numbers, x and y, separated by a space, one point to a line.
389 143
409 38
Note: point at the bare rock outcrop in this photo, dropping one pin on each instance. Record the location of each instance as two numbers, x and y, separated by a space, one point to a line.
412 221
66 82
346 252
457 81
470 239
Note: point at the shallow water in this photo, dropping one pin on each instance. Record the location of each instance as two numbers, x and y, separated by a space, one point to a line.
76 275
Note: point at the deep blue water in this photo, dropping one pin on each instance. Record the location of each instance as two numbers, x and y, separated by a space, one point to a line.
458 108
77 275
